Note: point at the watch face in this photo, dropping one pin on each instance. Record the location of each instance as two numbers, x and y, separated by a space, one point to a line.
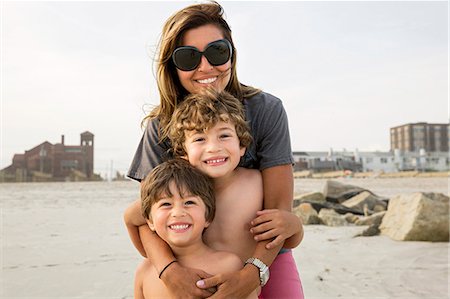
264 276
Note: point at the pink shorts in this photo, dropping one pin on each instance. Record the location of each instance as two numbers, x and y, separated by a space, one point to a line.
284 281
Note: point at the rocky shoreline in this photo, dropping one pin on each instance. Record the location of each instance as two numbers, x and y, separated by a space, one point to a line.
416 216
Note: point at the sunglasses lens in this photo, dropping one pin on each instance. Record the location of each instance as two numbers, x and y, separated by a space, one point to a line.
218 52
186 59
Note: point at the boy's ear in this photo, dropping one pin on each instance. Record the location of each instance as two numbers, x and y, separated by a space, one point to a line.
207 223
242 150
150 224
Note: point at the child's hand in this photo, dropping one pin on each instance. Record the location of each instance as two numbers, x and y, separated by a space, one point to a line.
275 224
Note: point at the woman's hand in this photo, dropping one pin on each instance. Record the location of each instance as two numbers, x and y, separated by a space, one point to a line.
239 284
180 282
278 225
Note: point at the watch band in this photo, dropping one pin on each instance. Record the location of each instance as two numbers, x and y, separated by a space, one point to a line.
263 269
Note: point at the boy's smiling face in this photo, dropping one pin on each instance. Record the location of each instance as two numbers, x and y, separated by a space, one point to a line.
178 220
216 151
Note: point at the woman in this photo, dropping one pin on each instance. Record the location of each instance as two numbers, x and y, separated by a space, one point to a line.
196 50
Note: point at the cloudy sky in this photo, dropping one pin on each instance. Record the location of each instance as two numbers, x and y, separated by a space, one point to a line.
345 71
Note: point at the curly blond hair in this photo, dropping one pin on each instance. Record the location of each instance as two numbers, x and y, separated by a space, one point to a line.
200 112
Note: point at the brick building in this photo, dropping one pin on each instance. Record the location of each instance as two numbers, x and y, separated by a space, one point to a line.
420 136
53 162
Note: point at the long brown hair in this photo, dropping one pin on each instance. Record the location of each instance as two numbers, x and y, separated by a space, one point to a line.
170 89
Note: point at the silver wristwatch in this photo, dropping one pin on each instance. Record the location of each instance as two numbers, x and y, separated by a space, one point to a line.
263 270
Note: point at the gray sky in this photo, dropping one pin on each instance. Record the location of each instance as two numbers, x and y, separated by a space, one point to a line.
345 71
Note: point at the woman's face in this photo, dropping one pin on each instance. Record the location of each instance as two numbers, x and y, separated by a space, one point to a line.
205 74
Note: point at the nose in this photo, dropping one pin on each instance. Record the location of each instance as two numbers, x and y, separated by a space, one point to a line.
178 210
204 65
214 146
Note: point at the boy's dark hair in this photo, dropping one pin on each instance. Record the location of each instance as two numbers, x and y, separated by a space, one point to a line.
187 179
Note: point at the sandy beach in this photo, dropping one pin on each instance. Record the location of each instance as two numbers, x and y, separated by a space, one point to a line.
67 240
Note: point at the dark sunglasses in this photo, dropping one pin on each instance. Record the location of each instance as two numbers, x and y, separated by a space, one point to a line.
188 58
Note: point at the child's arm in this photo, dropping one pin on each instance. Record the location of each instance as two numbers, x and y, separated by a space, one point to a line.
133 219
280 225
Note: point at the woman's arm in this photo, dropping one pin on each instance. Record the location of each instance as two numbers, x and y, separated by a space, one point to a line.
278 194
133 219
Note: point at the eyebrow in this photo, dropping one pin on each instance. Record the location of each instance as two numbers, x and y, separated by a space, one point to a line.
227 129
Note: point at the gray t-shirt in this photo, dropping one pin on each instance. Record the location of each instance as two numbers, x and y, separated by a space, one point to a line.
271 144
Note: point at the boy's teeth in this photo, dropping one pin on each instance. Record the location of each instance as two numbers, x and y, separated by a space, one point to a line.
215 161
180 226
207 81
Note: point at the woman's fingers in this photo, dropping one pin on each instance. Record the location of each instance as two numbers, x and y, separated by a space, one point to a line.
210 283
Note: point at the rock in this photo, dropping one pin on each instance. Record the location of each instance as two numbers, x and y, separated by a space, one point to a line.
337 192
365 198
372 230
351 218
331 218
374 219
334 206
417 217
380 208
307 214
308 197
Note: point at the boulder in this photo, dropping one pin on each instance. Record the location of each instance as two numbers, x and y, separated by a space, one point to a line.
380 207
417 217
331 218
308 197
365 198
372 230
374 219
351 218
307 214
334 206
337 192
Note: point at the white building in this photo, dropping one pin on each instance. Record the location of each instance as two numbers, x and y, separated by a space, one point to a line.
372 161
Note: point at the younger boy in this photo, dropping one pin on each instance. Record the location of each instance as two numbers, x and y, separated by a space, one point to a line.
178 203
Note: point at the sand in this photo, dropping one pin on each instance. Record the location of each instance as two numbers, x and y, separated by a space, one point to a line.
334 264
68 241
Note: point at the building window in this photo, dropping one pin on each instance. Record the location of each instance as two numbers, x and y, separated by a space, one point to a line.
383 160
435 160
69 164
72 150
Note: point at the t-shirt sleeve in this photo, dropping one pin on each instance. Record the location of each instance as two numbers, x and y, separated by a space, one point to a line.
274 143
150 152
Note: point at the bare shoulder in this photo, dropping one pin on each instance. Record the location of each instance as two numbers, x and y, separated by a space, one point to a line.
144 267
142 271
252 176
